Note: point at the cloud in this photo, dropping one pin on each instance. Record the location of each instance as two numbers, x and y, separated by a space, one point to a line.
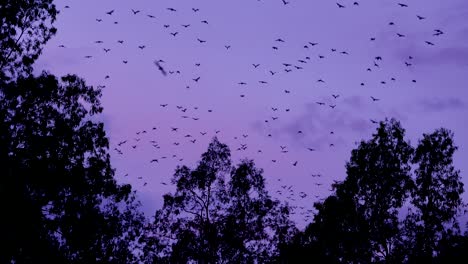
450 47
355 102
452 55
317 123
441 104
456 55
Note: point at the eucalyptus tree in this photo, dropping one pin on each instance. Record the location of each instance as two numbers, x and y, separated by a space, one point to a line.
219 213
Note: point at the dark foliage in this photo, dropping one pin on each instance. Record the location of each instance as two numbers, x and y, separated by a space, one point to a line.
59 199
362 222
209 220
25 26
436 197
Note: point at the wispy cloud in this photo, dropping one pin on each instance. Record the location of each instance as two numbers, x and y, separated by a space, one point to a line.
317 123
455 55
441 104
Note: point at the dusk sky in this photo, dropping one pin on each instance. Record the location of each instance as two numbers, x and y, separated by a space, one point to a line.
225 63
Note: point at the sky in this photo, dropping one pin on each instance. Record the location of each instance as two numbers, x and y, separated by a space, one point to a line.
253 72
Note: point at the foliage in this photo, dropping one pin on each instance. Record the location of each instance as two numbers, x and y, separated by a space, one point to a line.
25 26
209 220
57 190
436 196
360 222
378 181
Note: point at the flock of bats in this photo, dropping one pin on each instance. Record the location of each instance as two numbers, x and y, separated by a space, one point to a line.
195 113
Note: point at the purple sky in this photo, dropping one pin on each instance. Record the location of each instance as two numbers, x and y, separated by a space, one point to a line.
135 90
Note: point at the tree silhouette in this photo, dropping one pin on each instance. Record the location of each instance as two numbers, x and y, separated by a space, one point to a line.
337 235
209 220
60 201
452 248
59 198
258 221
378 181
436 197
25 26
359 223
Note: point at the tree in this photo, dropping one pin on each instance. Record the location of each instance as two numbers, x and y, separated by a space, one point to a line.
25 26
209 220
60 201
338 234
452 248
255 225
378 181
436 197
359 223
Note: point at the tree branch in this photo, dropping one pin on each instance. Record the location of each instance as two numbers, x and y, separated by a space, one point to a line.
193 213
23 28
201 202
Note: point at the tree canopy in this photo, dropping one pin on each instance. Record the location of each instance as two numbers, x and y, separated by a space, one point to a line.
60 201
436 197
220 214
57 187
25 26
365 220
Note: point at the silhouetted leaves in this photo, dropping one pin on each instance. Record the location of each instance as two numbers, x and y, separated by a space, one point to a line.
378 181
25 26
210 220
436 196
57 188
361 223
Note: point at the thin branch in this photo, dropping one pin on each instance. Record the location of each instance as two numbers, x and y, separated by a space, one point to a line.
201 203
207 204
193 213
23 28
